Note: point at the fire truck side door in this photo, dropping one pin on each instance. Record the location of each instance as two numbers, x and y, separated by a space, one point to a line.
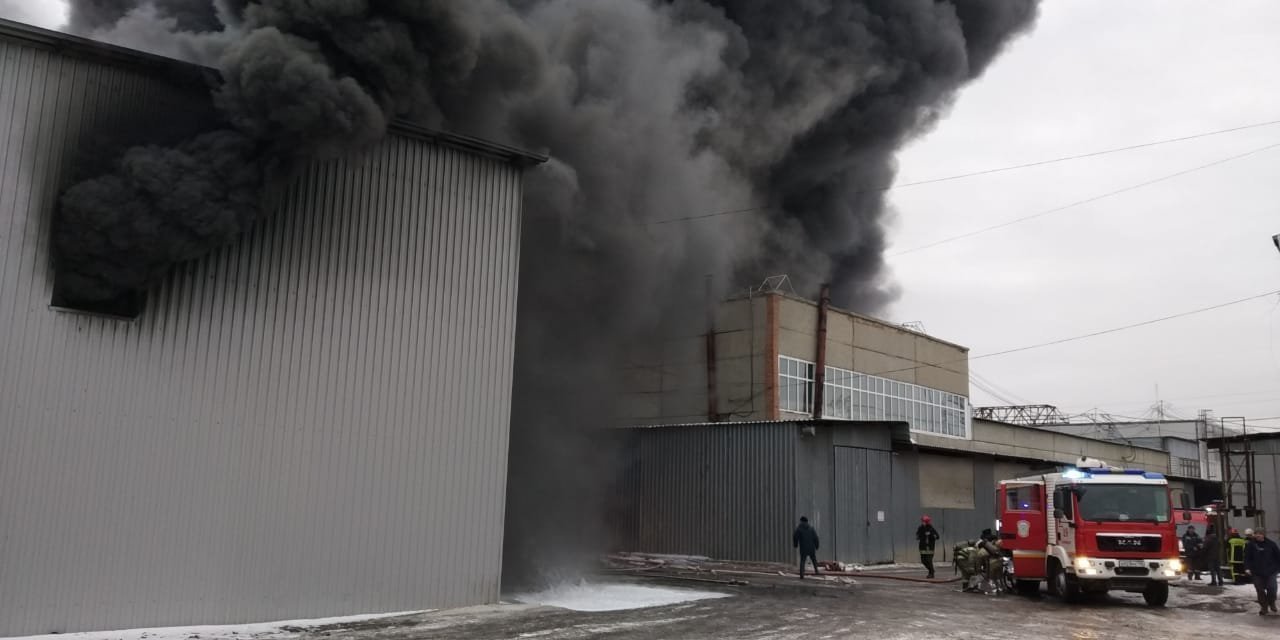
1064 515
1023 525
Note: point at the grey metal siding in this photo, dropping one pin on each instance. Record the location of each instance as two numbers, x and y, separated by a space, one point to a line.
313 422
814 498
881 530
721 491
952 524
863 494
906 497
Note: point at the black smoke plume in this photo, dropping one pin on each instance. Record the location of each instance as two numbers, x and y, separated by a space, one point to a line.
655 114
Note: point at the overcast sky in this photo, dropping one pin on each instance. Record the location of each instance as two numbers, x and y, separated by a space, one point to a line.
1097 74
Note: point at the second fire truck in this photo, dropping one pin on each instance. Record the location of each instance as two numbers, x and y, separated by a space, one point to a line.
1092 528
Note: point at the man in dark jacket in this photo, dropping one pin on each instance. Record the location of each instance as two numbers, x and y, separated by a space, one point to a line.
1191 547
1262 563
806 540
1211 556
927 536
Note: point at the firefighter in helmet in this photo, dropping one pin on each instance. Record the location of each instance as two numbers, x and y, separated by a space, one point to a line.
980 564
927 536
965 561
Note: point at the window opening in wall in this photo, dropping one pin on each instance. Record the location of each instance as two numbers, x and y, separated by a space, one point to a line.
127 306
795 385
848 395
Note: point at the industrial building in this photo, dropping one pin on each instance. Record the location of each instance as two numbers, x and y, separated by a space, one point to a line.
769 355
312 422
1250 476
787 407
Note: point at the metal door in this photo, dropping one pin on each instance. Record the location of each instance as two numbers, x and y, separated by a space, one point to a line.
850 494
879 485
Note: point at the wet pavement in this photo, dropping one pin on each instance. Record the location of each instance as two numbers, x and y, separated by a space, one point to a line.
785 607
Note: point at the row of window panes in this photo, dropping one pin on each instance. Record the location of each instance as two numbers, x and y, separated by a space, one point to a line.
1187 467
853 396
795 382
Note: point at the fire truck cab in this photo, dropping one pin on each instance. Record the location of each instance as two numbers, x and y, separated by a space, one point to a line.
1092 528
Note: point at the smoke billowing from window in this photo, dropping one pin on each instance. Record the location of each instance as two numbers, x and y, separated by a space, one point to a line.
652 111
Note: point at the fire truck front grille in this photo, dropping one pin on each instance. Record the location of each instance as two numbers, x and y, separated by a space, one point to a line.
1131 571
1129 543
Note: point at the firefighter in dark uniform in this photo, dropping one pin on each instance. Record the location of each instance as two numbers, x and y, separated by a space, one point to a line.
927 536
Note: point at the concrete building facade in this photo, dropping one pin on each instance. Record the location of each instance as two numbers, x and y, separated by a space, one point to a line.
758 361
297 426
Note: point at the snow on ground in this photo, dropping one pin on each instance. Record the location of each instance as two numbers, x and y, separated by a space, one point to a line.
612 597
1199 595
263 630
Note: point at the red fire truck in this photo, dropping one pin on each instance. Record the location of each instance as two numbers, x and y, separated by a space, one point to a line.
1092 528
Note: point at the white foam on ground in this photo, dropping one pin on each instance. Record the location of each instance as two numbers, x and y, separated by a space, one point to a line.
213 632
613 597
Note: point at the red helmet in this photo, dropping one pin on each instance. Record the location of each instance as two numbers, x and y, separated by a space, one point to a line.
926 519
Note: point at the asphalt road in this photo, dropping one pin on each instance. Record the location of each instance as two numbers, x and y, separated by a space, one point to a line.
787 608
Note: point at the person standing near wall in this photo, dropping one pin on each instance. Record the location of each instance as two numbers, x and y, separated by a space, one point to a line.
1262 563
1211 556
927 536
806 540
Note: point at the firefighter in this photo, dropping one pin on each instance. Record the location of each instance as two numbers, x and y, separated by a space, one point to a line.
1262 563
927 536
980 564
990 563
1235 556
1211 556
964 560
1191 546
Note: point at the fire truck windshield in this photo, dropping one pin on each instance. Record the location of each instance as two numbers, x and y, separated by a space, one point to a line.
1123 502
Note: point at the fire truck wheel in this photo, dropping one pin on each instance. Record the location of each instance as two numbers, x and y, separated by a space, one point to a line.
1064 586
1156 593
1029 588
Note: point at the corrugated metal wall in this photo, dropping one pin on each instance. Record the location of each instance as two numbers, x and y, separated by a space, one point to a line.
725 491
954 525
313 422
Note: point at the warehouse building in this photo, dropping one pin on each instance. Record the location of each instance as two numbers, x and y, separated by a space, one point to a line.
728 449
297 426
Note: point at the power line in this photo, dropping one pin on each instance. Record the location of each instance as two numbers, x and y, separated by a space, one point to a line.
891 187
1126 327
1083 336
1077 203
1091 154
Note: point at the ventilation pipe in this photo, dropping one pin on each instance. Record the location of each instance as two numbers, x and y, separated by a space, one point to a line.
820 366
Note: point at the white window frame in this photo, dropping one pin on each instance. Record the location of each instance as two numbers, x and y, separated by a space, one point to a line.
849 395
795 385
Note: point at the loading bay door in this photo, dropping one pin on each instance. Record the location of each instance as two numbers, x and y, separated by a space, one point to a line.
862 493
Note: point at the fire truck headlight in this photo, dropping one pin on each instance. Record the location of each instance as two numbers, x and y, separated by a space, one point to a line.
1175 565
1082 563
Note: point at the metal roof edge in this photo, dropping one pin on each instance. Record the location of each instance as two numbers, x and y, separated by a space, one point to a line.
208 77
805 422
67 43
471 144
